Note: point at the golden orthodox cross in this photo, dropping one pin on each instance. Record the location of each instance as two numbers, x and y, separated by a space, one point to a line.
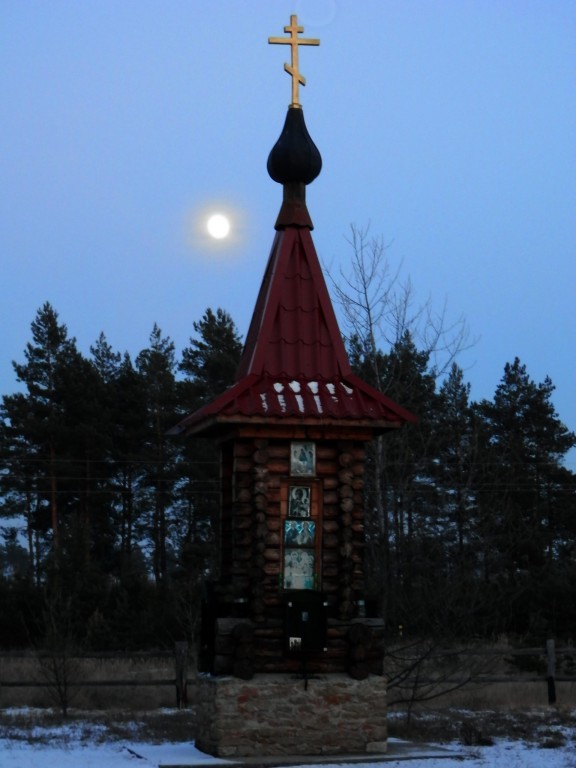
294 41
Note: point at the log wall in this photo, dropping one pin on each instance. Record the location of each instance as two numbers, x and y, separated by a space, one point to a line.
255 481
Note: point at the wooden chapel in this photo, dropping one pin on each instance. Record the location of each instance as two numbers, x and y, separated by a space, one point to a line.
293 432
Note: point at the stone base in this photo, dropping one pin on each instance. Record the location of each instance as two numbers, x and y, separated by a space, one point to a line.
279 715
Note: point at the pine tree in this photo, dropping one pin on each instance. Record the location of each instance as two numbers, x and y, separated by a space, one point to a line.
130 430
524 444
209 365
399 490
455 466
210 362
157 365
37 415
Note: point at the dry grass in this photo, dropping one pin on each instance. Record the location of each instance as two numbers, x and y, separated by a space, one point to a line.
546 727
42 726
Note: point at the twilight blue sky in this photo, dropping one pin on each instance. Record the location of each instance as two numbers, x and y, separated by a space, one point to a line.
449 126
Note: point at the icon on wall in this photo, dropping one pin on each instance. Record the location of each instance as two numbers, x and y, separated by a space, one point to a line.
299 533
302 459
299 501
298 569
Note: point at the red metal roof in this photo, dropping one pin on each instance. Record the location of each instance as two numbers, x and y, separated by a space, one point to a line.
294 333
294 368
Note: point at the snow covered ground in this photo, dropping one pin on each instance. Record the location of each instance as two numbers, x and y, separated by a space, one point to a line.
125 755
71 746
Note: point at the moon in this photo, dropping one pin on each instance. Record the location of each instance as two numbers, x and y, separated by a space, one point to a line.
218 226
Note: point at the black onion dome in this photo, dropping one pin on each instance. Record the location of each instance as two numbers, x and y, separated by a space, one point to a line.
294 158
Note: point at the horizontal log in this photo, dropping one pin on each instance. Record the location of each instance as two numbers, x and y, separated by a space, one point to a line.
346 476
330 526
243 538
345 572
360 634
261 530
273 539
242 448
326 451
244 496
243 480
272 569
274 482
338 633
345 459
242 633
269 632
327 468
257 607
346 609
279 450
273 522
347 596
358 653
261 456
330 541
260 501
346 518
241 555
278 466
273 600
345 492
347 505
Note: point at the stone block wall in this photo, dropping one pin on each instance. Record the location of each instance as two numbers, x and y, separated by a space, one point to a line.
282 715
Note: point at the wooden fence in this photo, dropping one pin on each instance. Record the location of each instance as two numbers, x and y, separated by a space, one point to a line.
421 673
167 679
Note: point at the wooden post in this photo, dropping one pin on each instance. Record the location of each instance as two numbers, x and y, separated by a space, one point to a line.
181 662
551 671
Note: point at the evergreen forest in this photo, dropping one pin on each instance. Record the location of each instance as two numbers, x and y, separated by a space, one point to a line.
108 524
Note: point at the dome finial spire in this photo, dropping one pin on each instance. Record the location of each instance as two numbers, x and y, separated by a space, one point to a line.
294 41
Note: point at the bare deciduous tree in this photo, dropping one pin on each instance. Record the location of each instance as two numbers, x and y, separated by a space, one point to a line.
379 306
401 346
